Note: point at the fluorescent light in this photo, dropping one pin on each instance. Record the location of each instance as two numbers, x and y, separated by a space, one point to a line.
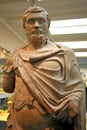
71 26
68 30
69 22
75 44
81 54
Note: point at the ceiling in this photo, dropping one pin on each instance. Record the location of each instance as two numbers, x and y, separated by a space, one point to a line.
12 34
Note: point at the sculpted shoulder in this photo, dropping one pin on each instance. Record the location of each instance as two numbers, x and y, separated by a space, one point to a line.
9 64
68 50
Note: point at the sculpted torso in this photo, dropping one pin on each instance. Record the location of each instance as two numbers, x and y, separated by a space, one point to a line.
44 77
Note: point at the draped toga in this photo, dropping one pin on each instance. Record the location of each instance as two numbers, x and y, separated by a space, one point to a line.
51 75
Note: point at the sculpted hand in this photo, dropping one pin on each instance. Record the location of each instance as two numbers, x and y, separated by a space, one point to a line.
73 108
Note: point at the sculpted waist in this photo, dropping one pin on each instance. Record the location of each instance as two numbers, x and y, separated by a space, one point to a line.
29 113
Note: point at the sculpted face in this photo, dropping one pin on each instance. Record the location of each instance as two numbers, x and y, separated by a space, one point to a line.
36 27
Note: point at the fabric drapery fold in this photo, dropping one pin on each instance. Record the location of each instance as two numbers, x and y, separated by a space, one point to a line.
52 92
52 76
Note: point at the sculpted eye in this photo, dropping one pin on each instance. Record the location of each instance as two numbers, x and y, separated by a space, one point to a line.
31 21
41 21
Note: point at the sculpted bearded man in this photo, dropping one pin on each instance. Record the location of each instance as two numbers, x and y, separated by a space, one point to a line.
45 78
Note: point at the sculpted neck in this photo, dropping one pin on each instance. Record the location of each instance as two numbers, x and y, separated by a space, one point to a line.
35 45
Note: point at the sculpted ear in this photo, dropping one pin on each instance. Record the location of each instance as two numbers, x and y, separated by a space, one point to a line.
48 22
24 21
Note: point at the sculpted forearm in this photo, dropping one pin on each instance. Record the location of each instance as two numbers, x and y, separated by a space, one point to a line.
8 82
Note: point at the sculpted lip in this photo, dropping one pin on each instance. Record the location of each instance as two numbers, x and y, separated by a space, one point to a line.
36 31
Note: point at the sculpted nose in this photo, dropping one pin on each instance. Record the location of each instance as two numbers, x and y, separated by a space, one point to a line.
36 24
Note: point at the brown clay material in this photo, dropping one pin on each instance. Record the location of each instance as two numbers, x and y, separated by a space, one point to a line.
46 81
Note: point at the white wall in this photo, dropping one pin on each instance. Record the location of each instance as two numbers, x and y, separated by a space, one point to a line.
8 40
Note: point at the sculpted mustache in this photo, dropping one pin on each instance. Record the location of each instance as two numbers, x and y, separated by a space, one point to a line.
36 30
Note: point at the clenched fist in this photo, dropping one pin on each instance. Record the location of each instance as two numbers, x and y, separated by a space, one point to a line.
73 108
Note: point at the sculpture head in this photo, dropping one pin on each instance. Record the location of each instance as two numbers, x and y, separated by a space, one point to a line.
35 9
36 23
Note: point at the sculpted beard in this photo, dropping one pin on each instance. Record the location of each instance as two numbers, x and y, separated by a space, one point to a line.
37 35
36 38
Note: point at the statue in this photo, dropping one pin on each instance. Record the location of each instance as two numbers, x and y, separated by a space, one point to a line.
45 78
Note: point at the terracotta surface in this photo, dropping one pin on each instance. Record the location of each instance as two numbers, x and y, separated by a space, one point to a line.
46 81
